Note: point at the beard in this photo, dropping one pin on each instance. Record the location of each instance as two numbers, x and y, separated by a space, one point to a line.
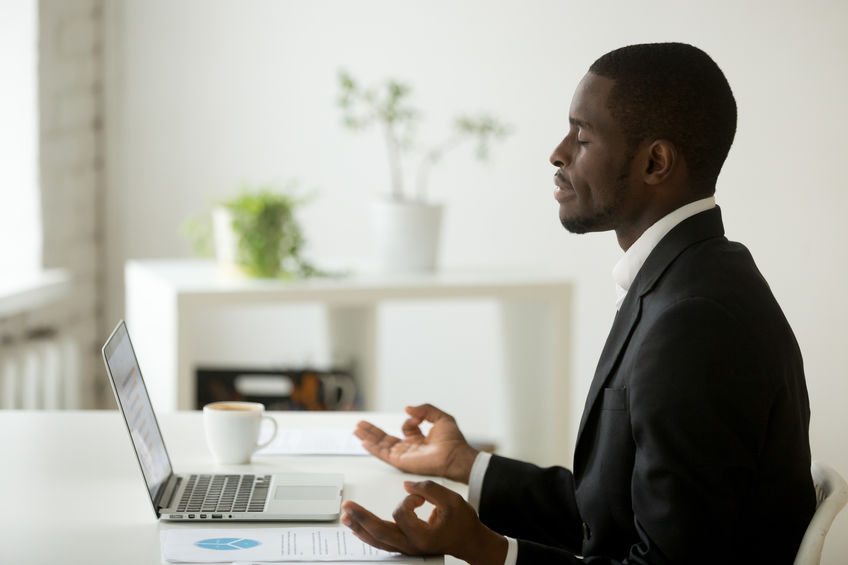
601 220
604 218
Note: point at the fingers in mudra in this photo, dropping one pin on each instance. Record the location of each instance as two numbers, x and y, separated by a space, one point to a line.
428 413
371 529
411 429
387 535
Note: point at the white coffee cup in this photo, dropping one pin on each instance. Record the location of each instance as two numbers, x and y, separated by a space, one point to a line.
232 430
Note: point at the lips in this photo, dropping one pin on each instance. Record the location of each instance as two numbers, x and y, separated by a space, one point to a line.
563 187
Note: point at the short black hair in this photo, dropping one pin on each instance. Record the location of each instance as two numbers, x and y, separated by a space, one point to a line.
676 92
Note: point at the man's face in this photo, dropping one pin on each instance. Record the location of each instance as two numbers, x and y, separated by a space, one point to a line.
593 180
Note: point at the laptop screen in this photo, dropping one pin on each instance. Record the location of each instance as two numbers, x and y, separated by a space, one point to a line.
134 403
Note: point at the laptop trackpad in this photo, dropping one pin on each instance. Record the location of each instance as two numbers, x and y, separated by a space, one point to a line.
306 492
305 496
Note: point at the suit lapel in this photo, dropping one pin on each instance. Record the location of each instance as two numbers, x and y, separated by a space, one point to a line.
622 326
690 231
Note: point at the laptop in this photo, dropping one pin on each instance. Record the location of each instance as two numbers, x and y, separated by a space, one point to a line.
208 497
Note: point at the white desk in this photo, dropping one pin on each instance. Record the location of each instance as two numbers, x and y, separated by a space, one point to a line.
162 297
72 491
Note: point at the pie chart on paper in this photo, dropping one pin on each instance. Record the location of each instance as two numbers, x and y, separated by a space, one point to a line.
227 544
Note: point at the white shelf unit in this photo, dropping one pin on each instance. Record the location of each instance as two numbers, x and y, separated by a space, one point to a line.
162 296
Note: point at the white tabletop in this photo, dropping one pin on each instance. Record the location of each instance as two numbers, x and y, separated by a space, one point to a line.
200 280
72 492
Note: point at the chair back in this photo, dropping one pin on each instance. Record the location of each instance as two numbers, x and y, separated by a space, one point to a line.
831 496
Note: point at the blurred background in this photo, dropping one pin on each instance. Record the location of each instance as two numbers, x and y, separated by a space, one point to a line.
126 117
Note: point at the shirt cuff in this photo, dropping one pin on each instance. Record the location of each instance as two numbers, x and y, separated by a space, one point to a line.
475 480
511 551
475 487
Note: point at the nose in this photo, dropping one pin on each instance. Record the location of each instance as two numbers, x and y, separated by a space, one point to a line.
560 157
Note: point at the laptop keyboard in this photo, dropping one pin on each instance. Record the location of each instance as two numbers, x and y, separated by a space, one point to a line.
225 493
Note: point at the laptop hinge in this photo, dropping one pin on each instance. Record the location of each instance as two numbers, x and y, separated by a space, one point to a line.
171 488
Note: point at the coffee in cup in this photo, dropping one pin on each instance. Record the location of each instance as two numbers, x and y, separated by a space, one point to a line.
232 430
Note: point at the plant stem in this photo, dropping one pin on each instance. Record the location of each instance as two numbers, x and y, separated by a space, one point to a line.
395 172
426 162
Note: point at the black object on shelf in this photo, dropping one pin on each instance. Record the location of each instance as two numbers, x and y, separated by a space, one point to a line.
279 389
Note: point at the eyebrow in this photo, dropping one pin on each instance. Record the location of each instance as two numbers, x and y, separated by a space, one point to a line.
579 123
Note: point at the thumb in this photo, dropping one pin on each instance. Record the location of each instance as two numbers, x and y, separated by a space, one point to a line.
431 491
411 502
404 515
427 412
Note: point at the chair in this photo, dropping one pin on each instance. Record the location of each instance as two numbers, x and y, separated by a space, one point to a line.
831 496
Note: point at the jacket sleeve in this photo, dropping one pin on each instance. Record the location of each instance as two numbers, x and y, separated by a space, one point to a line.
532 504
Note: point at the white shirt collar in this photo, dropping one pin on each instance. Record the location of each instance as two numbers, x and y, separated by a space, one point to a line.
631 262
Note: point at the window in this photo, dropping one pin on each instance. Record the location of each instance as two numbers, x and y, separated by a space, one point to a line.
20 217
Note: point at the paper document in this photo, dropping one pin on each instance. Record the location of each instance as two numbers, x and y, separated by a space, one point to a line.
184 545
330 441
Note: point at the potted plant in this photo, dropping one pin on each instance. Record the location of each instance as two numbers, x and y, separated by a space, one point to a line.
406 225
254 233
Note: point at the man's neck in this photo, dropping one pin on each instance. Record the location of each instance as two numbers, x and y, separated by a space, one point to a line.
631 262
628 234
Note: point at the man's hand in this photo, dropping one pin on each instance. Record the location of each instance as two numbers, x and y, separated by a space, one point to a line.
453 527
442 452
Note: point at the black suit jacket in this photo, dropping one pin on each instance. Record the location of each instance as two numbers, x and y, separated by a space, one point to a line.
693 445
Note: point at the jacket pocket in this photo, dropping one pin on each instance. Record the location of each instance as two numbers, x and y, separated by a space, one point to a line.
614 399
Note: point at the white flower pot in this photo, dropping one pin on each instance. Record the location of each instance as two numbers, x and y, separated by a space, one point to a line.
405 236
225 239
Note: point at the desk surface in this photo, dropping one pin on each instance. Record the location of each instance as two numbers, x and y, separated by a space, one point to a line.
72 491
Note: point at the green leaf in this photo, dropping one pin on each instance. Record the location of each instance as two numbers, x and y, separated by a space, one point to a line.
269 237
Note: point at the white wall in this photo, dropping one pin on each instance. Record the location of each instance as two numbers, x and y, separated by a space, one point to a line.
204 95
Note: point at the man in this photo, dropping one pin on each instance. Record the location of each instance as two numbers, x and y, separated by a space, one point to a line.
693 445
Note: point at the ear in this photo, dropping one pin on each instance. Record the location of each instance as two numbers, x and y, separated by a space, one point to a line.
661 160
